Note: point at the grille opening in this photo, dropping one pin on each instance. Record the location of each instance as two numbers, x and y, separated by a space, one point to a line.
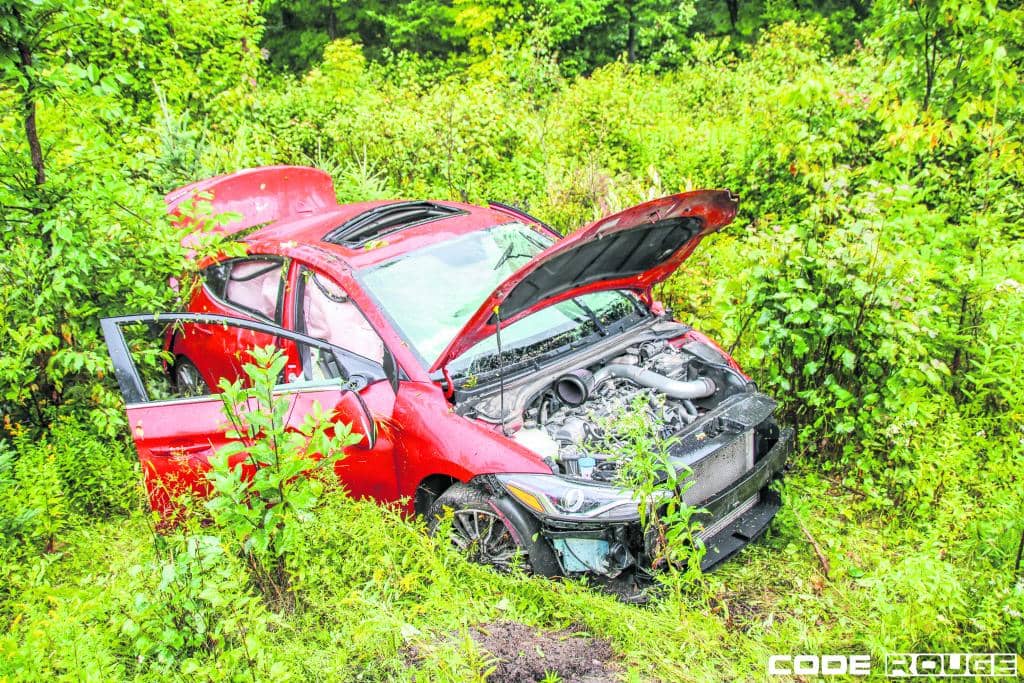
714 527
720 469
386 219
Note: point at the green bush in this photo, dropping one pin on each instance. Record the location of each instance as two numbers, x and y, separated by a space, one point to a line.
99 477
260 512
190 612
40 490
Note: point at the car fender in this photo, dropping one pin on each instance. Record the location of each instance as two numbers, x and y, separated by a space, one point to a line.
527 527
436 441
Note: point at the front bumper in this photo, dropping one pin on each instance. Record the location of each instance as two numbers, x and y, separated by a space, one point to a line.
732 518
727 539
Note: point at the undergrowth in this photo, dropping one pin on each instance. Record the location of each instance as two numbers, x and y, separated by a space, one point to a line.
872 282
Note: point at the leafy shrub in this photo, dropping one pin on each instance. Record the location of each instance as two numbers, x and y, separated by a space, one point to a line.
99 477
261 510
635 436
199 610
16 527
40 489
34 514
844 333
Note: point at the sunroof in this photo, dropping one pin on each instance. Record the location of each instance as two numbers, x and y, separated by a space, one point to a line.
382 220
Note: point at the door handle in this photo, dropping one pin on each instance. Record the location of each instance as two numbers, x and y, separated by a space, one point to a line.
185 449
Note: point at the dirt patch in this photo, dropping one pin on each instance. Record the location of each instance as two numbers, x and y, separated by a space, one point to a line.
523 653
743 611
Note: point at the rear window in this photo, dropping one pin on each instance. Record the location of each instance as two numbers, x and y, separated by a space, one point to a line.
252 285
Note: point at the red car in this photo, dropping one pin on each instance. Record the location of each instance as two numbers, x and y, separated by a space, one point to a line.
498 354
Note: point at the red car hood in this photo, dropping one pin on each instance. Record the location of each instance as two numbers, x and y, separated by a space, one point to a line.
633 249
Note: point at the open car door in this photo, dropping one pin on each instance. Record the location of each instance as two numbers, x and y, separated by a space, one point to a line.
175 434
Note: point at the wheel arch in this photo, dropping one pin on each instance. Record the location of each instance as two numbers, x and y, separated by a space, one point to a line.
430 489
524 527
179 357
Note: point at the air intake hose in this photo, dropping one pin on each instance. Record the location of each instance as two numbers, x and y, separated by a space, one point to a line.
574 388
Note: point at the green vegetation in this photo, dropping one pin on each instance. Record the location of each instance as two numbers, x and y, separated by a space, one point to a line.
259 512
873 282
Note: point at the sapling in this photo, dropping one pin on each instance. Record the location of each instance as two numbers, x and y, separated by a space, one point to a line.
645 468
269 478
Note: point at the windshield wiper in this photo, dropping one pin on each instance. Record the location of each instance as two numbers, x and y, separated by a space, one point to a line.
504 256
507 254
593 317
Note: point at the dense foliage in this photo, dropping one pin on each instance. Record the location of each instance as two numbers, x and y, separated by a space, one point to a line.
873 282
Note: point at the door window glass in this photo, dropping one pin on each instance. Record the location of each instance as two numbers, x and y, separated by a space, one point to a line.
255 286
327 313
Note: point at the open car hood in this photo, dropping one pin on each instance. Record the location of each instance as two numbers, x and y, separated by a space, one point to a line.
633 249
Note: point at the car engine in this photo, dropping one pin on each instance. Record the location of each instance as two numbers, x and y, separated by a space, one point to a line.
651 391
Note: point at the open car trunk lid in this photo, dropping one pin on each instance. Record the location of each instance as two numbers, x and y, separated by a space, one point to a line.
256 196
633 249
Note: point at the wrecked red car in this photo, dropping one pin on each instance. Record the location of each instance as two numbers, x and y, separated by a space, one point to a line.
482 356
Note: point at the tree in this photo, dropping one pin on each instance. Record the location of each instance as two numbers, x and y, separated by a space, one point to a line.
82 229
28 33
955 51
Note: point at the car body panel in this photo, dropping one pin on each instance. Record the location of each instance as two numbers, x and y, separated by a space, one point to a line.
174 453
257 195
204 344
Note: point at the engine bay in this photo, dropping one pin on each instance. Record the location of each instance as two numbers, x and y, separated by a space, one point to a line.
586 418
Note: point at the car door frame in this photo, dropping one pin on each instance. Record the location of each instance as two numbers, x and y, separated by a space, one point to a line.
284 264
360 371
355 375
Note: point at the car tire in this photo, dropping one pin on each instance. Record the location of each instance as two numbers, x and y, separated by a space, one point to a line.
492 530
187 379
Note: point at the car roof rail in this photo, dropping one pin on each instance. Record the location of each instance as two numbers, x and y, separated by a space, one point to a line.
386 219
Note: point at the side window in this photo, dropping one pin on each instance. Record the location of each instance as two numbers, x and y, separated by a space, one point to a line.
216 278
253 285
327 313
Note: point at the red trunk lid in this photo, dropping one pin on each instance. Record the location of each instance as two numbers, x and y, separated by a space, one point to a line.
257 196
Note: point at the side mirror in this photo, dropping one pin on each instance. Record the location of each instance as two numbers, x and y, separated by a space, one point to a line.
353 409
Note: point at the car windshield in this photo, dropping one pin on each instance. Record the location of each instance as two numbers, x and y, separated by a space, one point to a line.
431 293
549 330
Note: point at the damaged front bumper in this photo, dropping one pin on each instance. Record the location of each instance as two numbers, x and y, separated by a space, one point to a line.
731 519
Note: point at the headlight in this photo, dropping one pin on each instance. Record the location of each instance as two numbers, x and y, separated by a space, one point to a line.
554 496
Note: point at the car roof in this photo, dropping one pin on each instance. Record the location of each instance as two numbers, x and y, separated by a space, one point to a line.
285 234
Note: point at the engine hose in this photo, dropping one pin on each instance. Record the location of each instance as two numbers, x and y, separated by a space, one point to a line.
701 387
574 388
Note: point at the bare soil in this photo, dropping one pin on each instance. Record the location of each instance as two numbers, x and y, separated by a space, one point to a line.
523 653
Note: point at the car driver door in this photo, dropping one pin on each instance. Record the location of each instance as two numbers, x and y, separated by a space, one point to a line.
324 311
175 435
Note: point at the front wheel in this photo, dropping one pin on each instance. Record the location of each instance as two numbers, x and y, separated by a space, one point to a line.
488 531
